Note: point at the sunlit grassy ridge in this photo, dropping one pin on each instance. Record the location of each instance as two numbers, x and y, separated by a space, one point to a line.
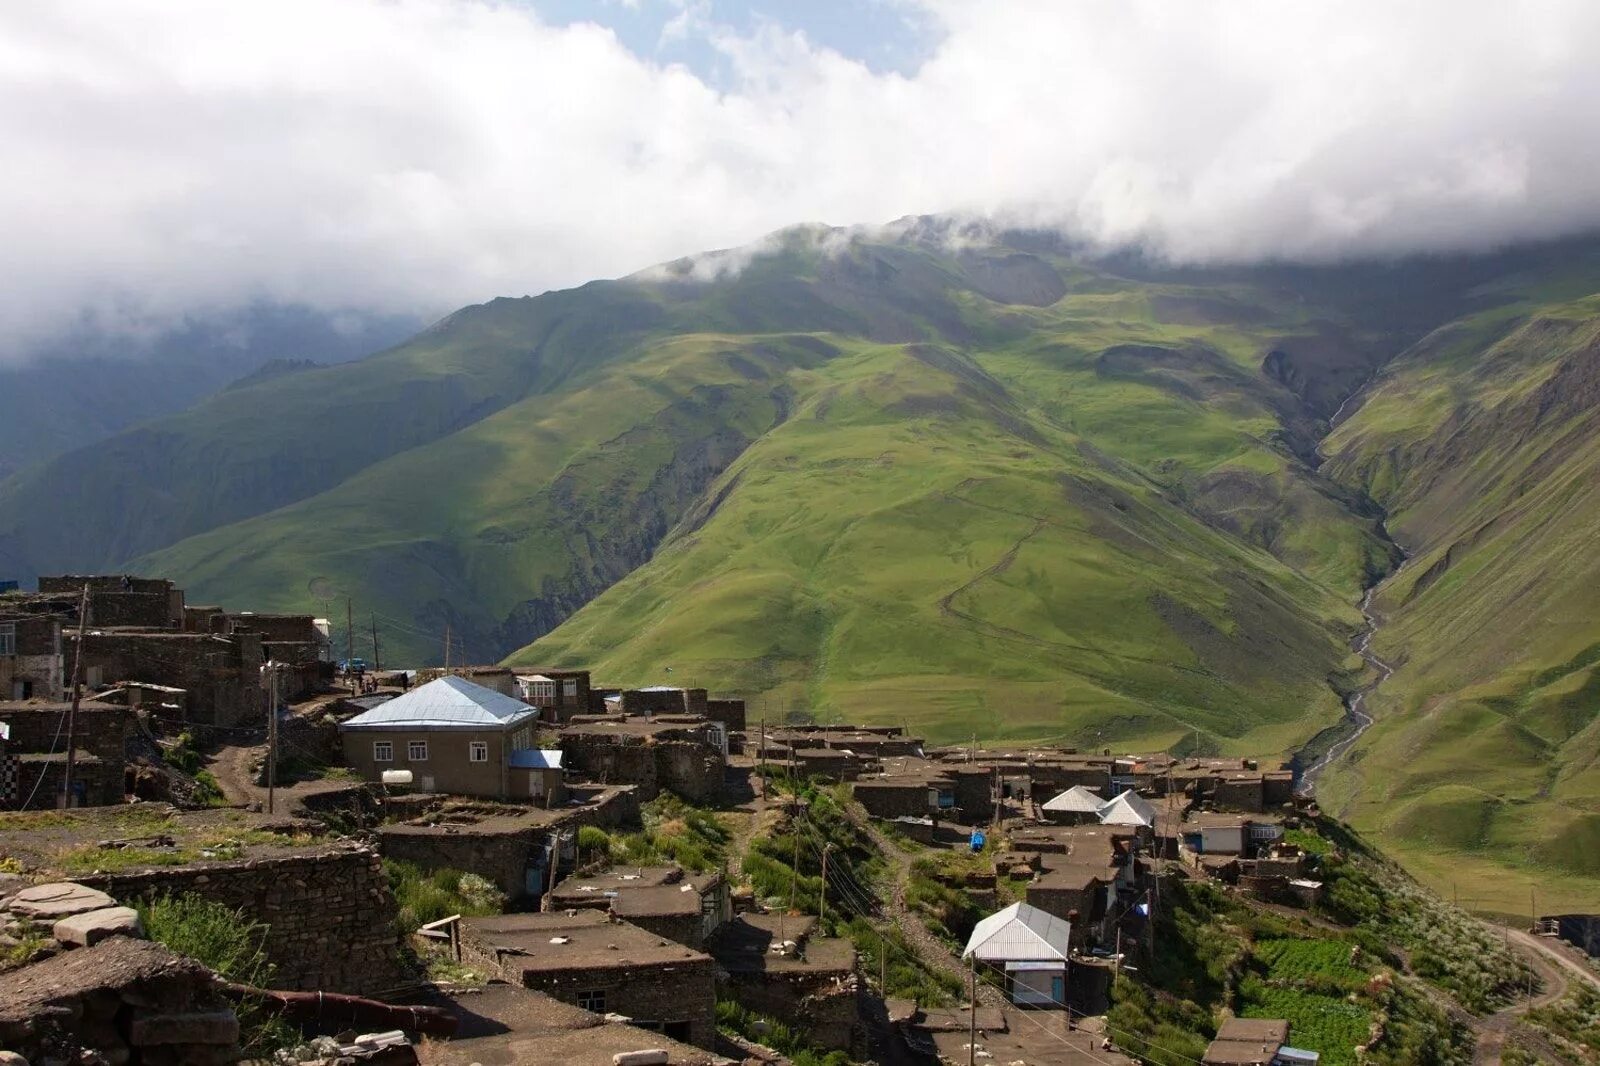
1484 444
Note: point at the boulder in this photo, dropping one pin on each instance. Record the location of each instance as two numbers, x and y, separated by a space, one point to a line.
58 900
91 927
207 1027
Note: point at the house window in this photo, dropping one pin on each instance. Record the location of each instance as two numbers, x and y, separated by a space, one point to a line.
382 751
544 690
569 689
593 1001
417 750
8 639
521 739
478 751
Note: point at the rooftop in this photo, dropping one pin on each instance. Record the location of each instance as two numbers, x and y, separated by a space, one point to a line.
744 945
502 1025
447 703
583 939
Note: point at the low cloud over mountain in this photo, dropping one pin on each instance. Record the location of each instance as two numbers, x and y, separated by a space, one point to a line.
165 155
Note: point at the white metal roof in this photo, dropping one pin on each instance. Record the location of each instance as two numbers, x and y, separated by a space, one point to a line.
536 759
449 703
1020 933
1078 798
533 677
1129 808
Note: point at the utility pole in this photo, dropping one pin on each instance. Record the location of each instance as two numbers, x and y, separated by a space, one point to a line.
72 709
794 876
883 964
972 1024
271 671
447 647
349 634
761 752
822 907
377 663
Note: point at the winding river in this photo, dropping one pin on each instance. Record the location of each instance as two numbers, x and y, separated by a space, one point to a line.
1357 720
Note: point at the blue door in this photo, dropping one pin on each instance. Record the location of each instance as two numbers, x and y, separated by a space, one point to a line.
1058 988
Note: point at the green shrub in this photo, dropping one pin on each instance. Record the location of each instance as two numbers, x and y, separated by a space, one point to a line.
737 1020
231 943
427 896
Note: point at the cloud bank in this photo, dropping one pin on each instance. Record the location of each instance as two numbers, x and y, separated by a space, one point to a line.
171 155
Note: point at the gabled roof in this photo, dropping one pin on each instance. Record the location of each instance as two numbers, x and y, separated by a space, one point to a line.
1129 808
536 759
447 703
1020 933
1077 799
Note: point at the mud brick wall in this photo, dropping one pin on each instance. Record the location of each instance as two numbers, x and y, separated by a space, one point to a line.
613 760
974 793
331 915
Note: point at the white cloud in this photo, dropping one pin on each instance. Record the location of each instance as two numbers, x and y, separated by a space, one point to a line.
163 155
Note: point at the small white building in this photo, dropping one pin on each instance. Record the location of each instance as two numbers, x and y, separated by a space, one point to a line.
1031 947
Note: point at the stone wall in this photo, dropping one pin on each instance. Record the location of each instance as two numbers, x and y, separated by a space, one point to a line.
332 916
1239 794
691 769
682 992
730 713
222 676
823 1005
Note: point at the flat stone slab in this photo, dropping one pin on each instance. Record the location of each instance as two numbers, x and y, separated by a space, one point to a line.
58 900
91 927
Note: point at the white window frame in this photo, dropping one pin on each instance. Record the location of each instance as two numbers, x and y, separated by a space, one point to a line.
593 1000
412 746
544 690
383 751
8 638
478 751
569 689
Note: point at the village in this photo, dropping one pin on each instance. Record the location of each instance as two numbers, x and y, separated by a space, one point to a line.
617 876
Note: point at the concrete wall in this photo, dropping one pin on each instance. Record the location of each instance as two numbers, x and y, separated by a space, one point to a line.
331 914
448 767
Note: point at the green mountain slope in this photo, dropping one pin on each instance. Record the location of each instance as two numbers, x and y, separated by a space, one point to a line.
1483 443
985 485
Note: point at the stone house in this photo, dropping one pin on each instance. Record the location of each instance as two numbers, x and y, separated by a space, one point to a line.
810 985
221 674
664 699
559 694
681 756
31 663
33 754
455 737
120 600
596 962
917 793
731 713
668 900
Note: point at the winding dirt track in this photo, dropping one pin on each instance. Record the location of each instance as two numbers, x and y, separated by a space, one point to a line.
1555 970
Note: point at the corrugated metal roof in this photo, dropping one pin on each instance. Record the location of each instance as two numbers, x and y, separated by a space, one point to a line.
1129 808
1078 798
1020 933
448 703
536 759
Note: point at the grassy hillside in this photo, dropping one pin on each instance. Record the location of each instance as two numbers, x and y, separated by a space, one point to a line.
984 486
1483 442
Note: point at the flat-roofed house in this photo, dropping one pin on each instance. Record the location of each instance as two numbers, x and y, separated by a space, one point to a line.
1030 947
454 736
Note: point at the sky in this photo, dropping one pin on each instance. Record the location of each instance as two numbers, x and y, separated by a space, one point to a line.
170 157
